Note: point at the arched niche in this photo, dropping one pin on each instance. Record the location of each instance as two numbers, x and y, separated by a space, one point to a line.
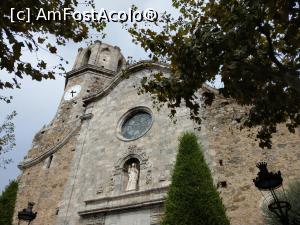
125 177
131 155
132 152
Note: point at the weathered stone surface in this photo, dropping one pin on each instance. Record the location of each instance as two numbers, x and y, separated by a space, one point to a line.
85 183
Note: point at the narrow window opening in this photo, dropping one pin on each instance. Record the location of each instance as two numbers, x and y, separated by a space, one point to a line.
49 161
86 57
57 211
120 64
221 162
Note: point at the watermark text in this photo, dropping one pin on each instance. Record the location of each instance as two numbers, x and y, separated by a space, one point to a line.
101 15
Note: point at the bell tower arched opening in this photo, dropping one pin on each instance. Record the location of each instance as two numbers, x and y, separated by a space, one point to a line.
86 57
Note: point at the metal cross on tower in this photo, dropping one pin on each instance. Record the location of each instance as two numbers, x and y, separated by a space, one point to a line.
72 92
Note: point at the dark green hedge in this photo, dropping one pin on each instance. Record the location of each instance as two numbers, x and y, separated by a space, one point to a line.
192 197
7 203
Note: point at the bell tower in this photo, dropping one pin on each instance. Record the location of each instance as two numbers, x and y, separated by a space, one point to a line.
100 55
94 67
47 164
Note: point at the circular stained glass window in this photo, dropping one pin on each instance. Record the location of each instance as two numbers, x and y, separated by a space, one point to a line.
135 123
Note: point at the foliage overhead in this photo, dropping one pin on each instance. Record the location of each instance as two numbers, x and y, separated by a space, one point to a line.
7 203
19 36
252 45
7 138
192 197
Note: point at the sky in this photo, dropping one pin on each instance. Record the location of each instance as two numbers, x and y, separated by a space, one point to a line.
36 102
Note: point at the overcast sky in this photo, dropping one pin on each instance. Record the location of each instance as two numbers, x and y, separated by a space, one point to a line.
37 102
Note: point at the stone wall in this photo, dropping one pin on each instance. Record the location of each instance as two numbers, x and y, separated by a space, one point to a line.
84 182
42 185
233 155
95 185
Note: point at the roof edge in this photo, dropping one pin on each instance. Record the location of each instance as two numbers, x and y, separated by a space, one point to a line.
123 74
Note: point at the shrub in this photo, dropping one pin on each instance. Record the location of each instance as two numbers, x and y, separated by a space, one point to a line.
192 197
7 203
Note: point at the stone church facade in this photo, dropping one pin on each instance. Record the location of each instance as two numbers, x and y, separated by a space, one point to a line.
80 165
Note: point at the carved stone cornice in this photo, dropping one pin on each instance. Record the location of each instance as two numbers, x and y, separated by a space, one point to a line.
123 74
130 200
90 67
33 161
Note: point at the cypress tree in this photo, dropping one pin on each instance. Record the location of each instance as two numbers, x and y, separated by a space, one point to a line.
7 203
192 198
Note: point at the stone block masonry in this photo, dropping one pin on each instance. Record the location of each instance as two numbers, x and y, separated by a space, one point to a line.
77 169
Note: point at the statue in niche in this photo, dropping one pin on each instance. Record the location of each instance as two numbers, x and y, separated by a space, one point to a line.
133 176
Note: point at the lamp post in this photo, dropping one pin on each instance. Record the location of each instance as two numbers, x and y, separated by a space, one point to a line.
27 214
270 181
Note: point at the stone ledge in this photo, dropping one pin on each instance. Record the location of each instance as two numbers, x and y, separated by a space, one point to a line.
122 207
105 204
90 67
126 195
33 161
125 73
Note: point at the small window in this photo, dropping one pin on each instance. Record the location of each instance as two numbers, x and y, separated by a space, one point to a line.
49 161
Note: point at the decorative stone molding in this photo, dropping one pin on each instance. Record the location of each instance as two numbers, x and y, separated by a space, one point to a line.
89 67
156 215
31 162
86 116
149 177
97 219
111 184
132 152
126 201
100 190
162 176
123 74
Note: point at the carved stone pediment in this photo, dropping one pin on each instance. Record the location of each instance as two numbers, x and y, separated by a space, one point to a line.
132 152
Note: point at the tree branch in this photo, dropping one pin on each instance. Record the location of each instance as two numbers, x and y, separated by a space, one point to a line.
271 53
291 77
